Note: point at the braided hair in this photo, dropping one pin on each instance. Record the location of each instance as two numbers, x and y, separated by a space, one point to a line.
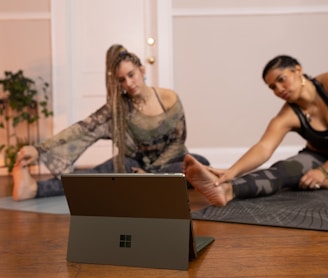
114 56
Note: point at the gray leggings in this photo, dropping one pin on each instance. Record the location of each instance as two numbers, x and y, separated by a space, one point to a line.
282 175
54 187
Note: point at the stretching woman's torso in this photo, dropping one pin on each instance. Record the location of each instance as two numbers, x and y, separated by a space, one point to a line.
317 139
152 140
286 174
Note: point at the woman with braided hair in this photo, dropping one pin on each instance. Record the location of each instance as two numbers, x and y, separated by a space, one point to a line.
146 125
305 111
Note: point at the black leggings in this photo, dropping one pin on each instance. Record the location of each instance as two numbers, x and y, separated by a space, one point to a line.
54 187
282 175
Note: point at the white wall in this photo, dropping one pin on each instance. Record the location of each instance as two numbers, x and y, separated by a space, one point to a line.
219 49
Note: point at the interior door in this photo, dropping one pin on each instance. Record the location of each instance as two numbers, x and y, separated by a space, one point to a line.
83 30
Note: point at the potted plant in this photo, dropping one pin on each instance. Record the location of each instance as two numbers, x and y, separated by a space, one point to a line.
20 104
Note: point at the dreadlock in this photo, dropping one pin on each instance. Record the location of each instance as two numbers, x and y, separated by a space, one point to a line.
115 55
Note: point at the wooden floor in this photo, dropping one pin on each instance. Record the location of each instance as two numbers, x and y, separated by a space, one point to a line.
34 245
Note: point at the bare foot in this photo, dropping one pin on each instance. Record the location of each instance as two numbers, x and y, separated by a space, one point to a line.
205 182
25 186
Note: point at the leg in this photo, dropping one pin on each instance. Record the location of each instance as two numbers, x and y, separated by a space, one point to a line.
108 166
176 165
25 187
283 175
205 182
54 187
50 188
201 159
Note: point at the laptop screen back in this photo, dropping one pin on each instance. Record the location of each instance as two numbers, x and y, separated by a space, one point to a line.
129 219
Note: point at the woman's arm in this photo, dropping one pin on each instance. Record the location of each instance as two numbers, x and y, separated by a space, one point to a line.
259 153
59 152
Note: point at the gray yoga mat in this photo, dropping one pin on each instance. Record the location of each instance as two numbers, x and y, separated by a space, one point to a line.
292 209
55 205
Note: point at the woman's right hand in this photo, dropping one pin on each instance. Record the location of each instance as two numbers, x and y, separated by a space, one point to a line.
27 155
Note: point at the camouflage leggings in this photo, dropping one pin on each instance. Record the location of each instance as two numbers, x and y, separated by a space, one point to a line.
282 175
54 187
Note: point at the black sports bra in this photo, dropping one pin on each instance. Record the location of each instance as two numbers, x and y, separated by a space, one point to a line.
318 139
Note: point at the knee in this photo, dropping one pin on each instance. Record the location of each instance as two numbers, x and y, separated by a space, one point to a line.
201 159
289 167
130 162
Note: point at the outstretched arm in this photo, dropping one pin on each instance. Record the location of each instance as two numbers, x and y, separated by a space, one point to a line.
62 150
259 153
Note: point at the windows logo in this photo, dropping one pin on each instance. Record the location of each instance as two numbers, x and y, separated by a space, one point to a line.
125 241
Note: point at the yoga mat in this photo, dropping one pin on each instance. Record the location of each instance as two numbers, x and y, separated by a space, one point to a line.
54 205
292 209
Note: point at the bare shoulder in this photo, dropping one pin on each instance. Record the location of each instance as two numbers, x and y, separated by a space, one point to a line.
323 79
167 96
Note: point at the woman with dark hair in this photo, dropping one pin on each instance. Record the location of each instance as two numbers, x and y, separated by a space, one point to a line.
305 111
146 125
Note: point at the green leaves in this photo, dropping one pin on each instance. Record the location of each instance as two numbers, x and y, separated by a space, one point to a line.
23 98
27 102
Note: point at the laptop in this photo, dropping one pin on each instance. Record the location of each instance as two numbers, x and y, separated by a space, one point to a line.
140 220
